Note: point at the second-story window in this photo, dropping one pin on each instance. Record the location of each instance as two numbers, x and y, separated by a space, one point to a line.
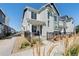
55 18
33 15
49 14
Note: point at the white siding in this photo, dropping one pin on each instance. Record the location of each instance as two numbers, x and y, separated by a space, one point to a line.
70 27
25 24
61 25
43 17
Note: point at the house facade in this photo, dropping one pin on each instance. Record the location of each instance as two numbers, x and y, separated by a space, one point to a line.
4 25
2 21
44 21
67 25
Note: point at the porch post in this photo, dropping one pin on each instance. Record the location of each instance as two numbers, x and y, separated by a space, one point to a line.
39 32
31 38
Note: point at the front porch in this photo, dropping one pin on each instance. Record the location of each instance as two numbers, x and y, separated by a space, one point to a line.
36 27
36 30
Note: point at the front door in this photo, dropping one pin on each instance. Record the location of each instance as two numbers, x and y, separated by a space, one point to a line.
36 30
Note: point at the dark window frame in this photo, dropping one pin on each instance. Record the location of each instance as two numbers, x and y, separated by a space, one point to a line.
34 28
33 15
49 14
48 23
55 18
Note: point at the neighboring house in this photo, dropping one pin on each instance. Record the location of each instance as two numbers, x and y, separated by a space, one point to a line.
4 28
66 24
41 22
2 21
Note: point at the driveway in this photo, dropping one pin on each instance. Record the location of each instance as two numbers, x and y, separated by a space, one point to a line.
6 46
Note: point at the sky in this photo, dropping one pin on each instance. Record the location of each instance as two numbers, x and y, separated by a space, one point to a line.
14 11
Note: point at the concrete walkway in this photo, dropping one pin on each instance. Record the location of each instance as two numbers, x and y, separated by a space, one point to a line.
6 46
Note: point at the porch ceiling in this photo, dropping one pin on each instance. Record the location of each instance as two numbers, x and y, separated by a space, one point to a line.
36 22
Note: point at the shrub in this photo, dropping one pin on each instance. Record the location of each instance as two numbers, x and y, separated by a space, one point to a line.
34 41
24 45
73 50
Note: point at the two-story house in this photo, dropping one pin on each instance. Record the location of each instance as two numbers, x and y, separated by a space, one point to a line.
41 22
2 22
4 25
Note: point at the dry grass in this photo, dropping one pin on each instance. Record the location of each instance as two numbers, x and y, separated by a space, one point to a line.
18 44
70 41
21 42
50 49
40 51
73 50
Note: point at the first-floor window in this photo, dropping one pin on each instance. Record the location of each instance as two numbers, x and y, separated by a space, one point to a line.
34 28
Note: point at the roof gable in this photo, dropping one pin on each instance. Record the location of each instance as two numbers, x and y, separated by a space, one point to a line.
51 5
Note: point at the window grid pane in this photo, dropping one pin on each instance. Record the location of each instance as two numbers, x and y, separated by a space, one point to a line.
33 15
